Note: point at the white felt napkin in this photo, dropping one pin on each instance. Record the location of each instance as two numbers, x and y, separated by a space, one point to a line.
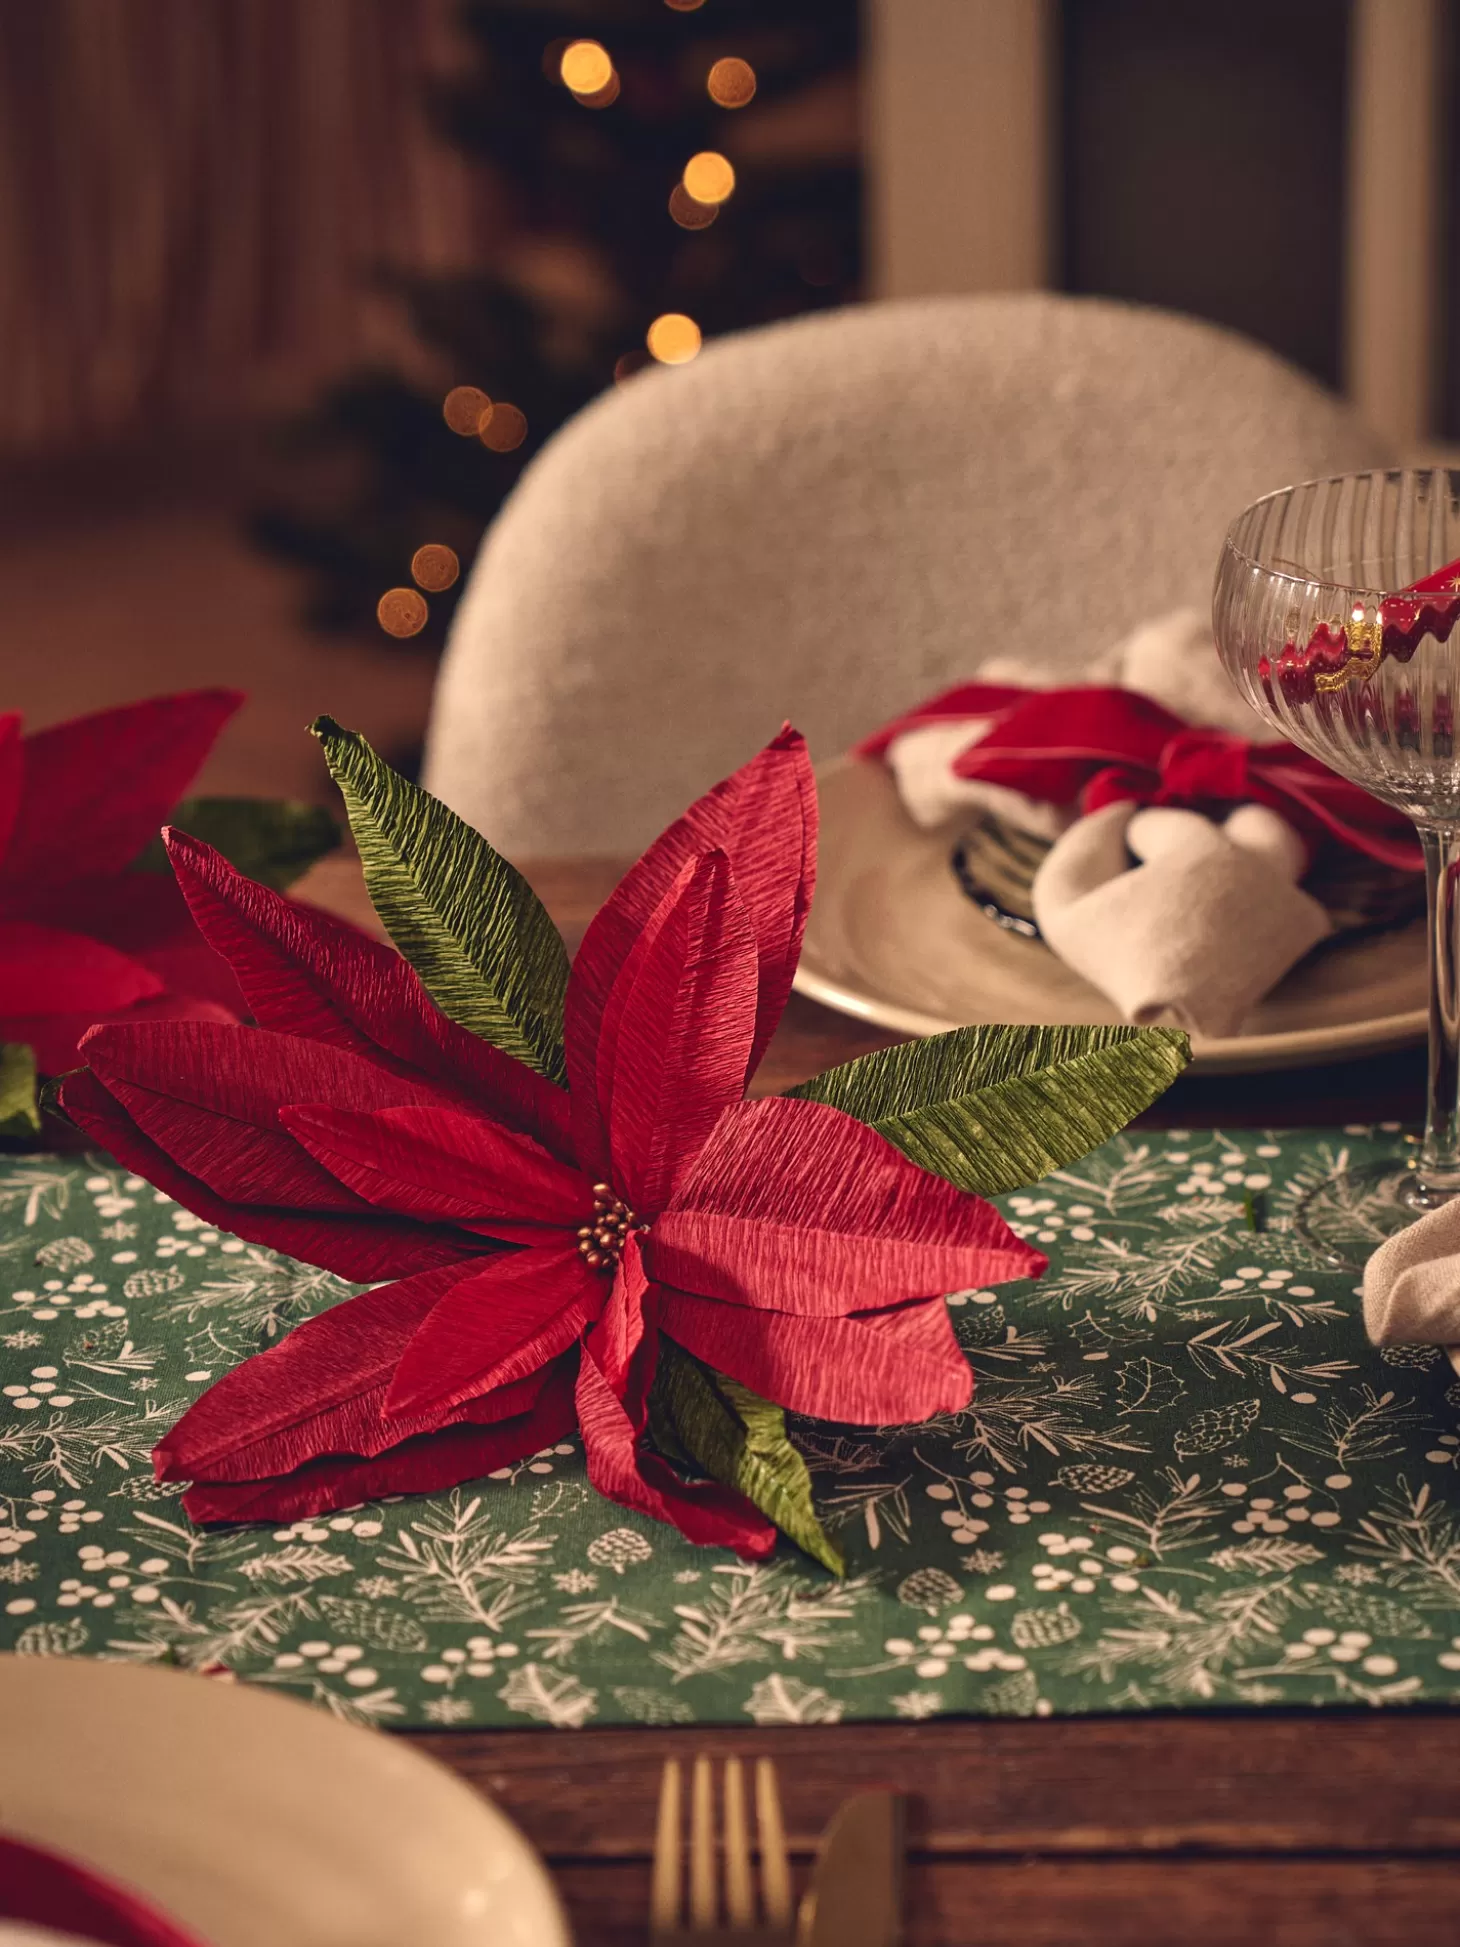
1198 930
1210 916
1412 1285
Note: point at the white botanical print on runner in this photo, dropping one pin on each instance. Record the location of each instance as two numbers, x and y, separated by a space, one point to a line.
1185 1481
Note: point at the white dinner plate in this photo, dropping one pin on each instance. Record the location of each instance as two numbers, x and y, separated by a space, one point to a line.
258 1821
893 939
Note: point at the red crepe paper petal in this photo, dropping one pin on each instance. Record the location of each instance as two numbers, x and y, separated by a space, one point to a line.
305 974
96 789
236 1159
55 1039
513 1316
442 1164
43 970
12 775
145 915
363 1249
623 1329
764 819
325 1364
421 1465
703 1511
677 1032
816 1213
246 1074
361 1428
885 1368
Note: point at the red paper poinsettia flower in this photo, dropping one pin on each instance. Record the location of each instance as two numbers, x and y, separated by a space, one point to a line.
542 1240
82 938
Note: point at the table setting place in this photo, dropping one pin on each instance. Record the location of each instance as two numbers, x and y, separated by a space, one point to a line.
485 1457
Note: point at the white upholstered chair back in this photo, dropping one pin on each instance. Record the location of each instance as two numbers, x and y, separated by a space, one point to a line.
829 519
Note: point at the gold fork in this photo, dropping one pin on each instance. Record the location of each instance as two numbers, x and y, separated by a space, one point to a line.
707 1917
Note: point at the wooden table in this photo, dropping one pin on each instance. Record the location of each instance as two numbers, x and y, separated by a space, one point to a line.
1182 1829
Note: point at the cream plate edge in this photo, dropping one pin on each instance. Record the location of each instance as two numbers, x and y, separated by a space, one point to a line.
53 1707
1240 1054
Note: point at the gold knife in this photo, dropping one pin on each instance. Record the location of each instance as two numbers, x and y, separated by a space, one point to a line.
855 1896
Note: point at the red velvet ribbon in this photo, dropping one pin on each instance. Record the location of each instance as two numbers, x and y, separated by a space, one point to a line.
1100 746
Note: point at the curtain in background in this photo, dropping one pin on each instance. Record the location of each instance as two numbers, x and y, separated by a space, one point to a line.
193 195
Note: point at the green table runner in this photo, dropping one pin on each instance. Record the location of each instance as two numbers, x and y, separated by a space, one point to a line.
1186 1480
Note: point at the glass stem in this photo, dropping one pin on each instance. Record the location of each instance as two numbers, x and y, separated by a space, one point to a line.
1438 1176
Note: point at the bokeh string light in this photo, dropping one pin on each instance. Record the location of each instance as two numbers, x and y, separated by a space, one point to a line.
585 67
708 177
673 338
685 6
401 612
435 567
504 428
464 409
689 214
731 82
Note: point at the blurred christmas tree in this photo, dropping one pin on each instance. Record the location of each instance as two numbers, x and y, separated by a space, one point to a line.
702 175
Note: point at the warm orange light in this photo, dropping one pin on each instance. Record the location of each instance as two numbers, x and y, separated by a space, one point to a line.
401 612
689 214
434 567
673 338
506 429
708 177
731 82
463 408
585 67
603 97
685 6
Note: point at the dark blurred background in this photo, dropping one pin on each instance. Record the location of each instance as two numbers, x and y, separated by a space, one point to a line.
248 247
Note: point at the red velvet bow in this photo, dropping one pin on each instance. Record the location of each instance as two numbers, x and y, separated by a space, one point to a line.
1098 746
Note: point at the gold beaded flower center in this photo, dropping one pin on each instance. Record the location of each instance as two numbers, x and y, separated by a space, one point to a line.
601 1241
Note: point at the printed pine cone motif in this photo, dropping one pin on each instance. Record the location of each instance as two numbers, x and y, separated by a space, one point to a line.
1218 1427
930 1589
1088 1477
1042 1629
1014 1696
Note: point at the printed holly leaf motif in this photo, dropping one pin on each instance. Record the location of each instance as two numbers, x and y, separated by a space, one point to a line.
740 1439
551 1696
1218 1427
273 841
991 1108
468 922
20 1116
1143 1386
786 1700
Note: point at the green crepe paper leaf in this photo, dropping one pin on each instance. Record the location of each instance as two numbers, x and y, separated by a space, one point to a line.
737 1438
468 922
993 1108
20 1116
274 841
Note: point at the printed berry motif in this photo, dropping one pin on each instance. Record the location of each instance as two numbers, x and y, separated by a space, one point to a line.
1185 1481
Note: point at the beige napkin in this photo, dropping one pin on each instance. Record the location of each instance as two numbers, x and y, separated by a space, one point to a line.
1412 1285
1208 919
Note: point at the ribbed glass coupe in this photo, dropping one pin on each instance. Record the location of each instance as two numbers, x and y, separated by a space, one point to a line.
1335 612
